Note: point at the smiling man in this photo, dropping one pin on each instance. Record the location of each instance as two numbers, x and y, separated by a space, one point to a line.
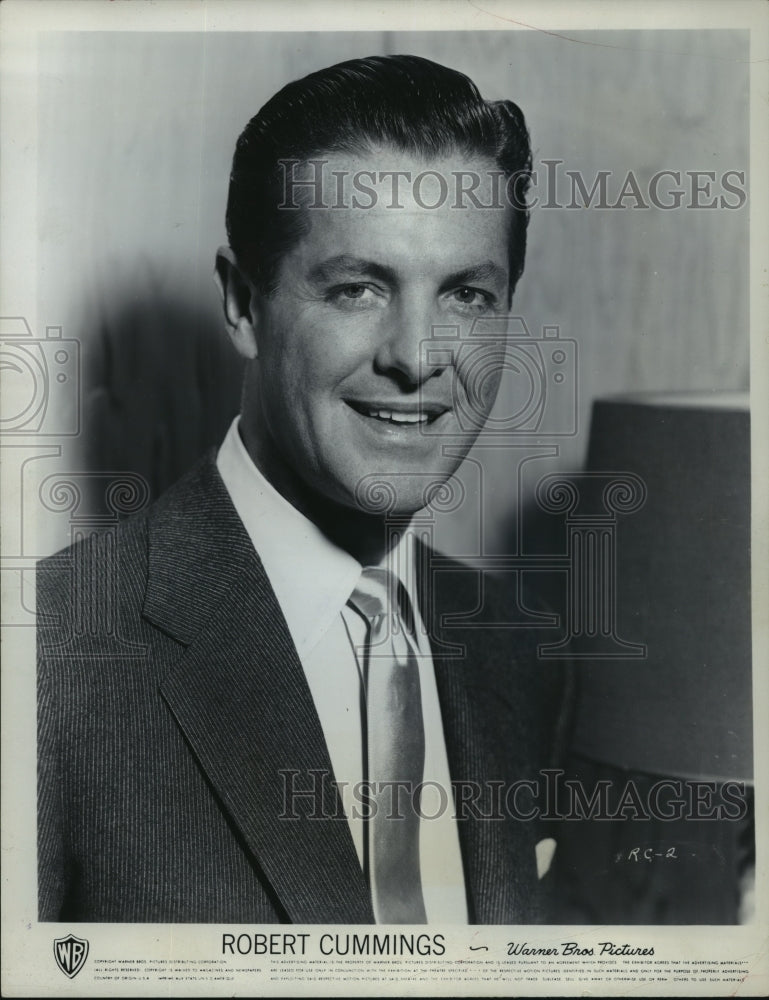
293 732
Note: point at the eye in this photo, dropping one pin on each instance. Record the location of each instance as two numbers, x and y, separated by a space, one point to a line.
472 298
354 295
352 291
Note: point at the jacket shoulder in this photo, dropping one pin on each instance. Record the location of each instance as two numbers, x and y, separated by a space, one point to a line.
504 625
110 563
82 589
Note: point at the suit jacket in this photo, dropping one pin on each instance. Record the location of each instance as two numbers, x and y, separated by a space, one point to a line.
173 711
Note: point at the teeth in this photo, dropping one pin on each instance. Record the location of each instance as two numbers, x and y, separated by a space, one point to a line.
398 418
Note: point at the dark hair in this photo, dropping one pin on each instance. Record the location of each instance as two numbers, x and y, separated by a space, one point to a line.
408 102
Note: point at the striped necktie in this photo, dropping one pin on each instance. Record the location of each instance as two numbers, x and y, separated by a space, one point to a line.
395 746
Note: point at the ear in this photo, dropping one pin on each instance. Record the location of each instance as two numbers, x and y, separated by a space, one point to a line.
237 294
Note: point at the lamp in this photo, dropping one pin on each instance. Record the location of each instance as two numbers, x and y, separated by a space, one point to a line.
683 589
683 711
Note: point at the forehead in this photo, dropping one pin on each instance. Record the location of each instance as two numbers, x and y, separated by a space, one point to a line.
400 209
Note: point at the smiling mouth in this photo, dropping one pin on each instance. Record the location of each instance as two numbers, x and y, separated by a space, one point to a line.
398 416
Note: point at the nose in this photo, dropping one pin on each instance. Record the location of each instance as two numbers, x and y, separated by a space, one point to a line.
403 352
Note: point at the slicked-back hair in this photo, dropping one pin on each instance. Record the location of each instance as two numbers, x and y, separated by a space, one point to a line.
406 102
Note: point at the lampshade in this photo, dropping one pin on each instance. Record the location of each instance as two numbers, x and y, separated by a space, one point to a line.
682 589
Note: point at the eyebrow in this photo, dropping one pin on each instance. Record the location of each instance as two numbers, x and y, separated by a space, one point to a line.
483 272
347 265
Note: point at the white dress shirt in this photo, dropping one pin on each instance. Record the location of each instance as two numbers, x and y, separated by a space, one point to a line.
313 580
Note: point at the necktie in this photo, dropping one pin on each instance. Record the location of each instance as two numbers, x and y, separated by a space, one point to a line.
395 745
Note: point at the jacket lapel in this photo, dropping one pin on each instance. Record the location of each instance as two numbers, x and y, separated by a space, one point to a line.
487 730
240 697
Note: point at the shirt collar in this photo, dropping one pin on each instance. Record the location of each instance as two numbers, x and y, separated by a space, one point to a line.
312 577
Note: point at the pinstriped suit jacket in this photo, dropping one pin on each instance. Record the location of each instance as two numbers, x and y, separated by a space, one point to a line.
164 746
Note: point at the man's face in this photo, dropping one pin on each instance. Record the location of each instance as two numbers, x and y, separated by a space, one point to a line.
343 391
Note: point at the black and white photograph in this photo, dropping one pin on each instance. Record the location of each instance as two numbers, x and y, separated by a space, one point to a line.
384 498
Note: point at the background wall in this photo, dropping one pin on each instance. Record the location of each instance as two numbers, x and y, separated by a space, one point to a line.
136 136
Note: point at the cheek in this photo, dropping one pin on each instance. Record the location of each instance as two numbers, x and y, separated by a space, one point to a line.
478 377
318 360
290 365
301 379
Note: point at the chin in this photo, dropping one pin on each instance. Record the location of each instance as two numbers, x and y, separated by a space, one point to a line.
404 493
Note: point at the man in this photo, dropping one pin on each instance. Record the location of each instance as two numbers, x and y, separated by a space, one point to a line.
292 710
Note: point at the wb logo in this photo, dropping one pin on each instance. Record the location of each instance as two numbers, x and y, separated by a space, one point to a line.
70 953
